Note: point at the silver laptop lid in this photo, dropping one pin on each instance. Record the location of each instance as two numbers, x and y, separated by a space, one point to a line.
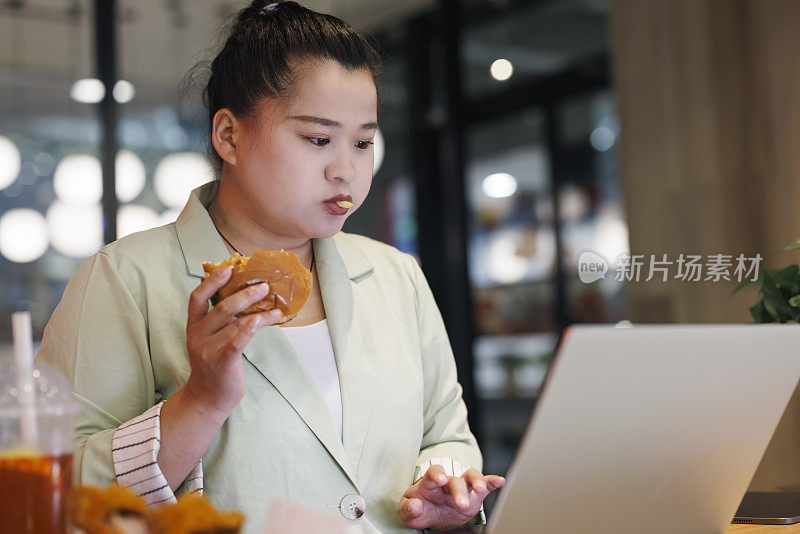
655 429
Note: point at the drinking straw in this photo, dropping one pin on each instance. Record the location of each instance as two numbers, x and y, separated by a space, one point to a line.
23 357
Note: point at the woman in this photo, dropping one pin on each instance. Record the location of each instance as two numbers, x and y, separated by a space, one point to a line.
353 405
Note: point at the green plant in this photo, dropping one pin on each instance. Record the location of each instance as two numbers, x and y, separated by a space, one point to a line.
780 292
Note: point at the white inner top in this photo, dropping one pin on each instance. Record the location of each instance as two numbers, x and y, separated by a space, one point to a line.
313 344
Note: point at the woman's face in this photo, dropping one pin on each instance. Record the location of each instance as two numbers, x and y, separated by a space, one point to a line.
293 156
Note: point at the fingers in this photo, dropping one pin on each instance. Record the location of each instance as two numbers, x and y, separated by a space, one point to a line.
226 342
495 481
198 300
457 488
445 500
409 508
481 483
434 477
223 313
228 345
237 343
476 480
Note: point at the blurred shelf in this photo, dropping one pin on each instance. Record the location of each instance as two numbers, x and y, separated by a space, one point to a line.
512 367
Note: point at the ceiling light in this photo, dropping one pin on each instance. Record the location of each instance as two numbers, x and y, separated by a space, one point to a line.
123 91
10 162
499 185
75 230
602 138
23 235
130 175
501 70
88 91
79 179
178 174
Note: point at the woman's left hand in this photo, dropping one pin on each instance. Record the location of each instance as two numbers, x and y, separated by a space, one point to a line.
439 501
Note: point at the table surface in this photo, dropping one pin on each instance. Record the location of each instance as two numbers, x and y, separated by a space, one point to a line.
764 529
733 529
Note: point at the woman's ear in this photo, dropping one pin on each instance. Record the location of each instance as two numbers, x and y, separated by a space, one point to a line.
225 133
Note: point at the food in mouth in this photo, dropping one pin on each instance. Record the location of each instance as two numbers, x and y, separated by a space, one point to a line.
290 283
344 204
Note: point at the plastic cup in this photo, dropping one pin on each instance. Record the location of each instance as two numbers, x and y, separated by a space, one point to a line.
35 467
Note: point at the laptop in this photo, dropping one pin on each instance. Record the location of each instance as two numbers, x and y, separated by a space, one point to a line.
655 429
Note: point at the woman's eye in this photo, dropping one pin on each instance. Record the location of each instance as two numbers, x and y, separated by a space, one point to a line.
322 141
319 141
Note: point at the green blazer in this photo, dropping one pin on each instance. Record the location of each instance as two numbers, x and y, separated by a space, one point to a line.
119 336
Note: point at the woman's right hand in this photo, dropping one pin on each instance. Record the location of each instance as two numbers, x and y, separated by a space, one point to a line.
215 341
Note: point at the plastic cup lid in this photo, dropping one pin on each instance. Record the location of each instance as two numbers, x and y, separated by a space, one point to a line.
52 395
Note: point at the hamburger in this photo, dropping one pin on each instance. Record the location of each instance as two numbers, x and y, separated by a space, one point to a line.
290 283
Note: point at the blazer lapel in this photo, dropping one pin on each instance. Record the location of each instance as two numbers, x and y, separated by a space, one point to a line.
354 361
275 358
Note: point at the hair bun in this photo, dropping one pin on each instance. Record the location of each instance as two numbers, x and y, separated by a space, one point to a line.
272 6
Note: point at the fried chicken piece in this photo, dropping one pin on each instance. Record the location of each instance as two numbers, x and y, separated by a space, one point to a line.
194 514
111 510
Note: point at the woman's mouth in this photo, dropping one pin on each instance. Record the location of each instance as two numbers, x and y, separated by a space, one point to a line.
339 205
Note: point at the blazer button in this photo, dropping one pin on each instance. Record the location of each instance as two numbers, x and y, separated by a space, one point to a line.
352 506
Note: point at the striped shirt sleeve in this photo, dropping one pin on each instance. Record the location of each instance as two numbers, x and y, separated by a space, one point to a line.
134 450
452 468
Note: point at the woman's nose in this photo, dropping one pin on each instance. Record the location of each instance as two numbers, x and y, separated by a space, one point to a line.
341 168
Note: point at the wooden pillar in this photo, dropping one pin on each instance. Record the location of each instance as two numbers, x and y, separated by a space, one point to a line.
708 93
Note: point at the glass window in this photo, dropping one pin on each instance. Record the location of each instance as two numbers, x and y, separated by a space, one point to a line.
512 255
512 246
50 181
163 131
590 203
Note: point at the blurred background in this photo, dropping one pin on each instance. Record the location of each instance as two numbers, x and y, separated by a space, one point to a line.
515 134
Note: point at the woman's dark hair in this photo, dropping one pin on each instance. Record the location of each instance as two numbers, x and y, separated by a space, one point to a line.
265 45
